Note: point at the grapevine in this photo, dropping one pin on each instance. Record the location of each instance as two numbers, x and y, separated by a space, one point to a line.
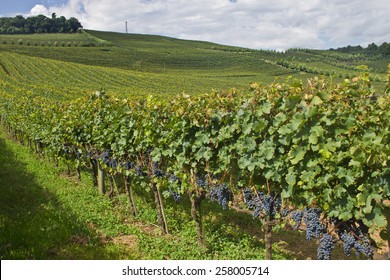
304 154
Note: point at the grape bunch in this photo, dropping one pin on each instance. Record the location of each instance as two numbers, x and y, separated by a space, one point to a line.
285 212
140 172
361 246
253 202
176 197
249 199
157 173
201 182
326 247
267 204
148 153
221 194
129 165
349 242
113 163
174 179
67 150
354 235
105 157
270 204
314 226
297 217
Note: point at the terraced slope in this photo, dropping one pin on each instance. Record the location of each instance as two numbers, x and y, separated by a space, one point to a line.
135 65
57 78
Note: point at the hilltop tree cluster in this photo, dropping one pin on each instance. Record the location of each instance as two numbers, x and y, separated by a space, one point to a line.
38 24
371 49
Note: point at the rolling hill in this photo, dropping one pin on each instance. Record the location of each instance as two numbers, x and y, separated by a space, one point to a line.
135 64
307 143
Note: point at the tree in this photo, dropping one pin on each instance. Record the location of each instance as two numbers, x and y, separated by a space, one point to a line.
38 24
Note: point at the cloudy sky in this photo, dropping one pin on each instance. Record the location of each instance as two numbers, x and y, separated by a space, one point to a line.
260 24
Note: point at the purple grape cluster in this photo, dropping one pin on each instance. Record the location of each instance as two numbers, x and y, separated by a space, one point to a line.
157 173
201 182
249 199
221 194
326 247
285 212
107 159
105 156
174 179
297 217
268 204
354 236
176 197
72 150
66 150
361 246
129 165
349 242
314 226
140 172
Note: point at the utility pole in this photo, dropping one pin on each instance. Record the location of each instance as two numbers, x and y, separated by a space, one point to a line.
126 26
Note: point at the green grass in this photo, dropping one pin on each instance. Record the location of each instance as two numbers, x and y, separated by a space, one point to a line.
36 216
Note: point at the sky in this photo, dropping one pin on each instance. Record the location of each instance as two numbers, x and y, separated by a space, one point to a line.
256 24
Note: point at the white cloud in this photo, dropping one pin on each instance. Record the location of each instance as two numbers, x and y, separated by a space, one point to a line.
268 24
39 10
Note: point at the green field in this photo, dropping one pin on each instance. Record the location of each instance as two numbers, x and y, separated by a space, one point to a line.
62 70
132 64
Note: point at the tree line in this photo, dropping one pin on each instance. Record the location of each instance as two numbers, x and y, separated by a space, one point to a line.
371 49
38 24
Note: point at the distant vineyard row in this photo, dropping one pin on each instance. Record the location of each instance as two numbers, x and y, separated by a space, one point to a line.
22 42
65 80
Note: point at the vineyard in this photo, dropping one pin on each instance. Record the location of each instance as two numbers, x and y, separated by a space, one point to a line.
310 157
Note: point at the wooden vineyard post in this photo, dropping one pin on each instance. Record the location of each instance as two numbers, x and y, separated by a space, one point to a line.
268 238
388 231
130 196
386 205
100 178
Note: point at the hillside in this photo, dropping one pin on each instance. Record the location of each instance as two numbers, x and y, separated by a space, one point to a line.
130 64
119 163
